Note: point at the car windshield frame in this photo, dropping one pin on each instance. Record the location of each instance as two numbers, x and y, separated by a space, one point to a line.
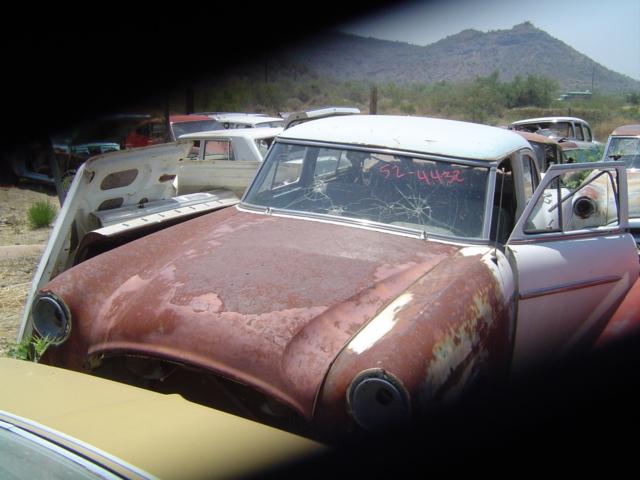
631 160
443 177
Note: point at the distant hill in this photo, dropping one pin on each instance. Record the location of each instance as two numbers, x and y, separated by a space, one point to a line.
522 50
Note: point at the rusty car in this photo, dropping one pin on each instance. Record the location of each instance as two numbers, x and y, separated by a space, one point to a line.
568 128
376 268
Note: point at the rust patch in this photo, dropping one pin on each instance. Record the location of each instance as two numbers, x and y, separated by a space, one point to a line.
624 322
456 328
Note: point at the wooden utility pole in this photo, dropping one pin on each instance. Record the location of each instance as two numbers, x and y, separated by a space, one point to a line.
373 102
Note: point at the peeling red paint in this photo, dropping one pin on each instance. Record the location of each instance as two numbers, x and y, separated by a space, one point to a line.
459 303
625 321
264 300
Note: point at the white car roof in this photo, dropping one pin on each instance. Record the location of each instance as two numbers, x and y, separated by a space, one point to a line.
254 133
549 119
417 134
245 118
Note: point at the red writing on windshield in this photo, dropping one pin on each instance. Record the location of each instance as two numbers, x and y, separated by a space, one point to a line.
430 177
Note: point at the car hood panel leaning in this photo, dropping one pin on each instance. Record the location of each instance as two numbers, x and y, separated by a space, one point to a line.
268 301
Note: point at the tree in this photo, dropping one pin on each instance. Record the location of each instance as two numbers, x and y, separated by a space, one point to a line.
533 91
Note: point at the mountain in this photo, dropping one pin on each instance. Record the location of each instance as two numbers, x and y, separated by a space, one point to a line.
521 50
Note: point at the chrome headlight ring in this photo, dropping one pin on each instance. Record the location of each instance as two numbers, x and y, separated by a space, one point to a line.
51 317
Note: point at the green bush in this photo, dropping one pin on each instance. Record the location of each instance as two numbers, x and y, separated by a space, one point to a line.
41 214
29 349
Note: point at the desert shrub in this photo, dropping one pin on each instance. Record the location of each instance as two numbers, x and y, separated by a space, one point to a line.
407 108
41 214
30 348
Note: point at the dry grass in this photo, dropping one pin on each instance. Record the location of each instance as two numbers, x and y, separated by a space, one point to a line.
13 296
603 129
16 272
12 299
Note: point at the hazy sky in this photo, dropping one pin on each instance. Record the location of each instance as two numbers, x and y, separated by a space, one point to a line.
606 31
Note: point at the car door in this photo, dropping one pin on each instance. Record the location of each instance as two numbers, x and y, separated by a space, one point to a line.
574 260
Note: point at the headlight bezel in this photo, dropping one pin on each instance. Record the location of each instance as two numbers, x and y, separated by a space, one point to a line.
51 317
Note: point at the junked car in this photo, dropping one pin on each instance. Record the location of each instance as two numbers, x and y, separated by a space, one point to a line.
223 159
377 268
57 424
42 159
570 128
623 145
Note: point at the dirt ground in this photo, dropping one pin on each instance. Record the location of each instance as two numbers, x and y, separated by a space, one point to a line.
20 250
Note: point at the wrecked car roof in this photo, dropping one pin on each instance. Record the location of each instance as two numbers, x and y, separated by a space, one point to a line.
256 133
627 130
548 119
536 137
417 134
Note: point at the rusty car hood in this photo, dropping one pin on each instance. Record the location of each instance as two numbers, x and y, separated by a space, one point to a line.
267 301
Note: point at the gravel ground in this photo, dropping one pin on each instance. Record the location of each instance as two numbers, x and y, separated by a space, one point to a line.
20 247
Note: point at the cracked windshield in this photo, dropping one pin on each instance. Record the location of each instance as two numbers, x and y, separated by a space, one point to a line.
436 197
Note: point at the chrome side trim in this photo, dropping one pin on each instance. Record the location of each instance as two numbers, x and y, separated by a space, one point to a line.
63 444
569 287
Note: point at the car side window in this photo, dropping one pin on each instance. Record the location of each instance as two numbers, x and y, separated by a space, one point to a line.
529 177
504 204
576 200
587 133
218 150
579 134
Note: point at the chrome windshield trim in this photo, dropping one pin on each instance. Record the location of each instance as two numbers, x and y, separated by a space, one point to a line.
364 148
63 444
567 287
363 224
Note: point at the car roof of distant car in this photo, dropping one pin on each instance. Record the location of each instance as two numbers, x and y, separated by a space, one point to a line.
416 134
187 118
548 119
627 131
569 145
536 137
255 133
245 118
